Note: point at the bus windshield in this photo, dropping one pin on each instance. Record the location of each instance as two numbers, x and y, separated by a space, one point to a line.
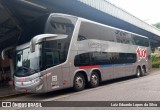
28 63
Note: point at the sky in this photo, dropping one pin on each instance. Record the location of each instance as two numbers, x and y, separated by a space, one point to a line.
146 10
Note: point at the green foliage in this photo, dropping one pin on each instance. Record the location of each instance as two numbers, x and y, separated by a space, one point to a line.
155 61
155 64
154 58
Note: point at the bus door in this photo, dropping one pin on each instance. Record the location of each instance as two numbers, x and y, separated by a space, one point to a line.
54 70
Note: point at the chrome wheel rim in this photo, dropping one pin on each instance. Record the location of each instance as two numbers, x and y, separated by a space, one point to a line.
94 79
143 70
79 82
138 73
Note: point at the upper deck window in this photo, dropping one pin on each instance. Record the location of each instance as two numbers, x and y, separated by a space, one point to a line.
94 31
90 30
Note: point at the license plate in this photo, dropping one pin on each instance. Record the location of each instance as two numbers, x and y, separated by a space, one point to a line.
23 90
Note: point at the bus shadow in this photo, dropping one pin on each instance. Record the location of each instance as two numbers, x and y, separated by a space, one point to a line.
112 81
43 96
52 94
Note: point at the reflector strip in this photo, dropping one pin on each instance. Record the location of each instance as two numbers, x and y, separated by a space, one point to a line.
87 67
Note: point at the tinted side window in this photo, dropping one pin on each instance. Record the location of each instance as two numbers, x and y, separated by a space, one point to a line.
104 58
94 31
127 58
140 40
82 59
123 37
52 58
55 52
99 58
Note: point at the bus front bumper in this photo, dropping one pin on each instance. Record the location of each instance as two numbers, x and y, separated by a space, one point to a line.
33 86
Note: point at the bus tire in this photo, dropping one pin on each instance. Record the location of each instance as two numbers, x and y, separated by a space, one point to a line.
79 82
94 79
144 71
138 72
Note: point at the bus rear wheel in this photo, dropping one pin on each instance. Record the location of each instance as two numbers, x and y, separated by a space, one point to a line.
144 71
79 82
94 80
138 72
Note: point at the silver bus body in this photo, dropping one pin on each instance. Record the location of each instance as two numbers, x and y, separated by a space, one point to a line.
117 56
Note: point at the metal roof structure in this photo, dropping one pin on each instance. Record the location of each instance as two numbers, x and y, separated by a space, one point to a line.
16 14
119 13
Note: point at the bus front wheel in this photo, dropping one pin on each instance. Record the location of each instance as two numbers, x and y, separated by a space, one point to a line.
79 82
94 80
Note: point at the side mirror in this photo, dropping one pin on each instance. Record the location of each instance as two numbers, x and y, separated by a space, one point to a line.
39 38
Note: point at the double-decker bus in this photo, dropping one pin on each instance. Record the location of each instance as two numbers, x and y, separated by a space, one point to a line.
75 52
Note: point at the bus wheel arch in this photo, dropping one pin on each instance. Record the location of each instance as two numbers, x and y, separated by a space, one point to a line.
79 81
95 78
